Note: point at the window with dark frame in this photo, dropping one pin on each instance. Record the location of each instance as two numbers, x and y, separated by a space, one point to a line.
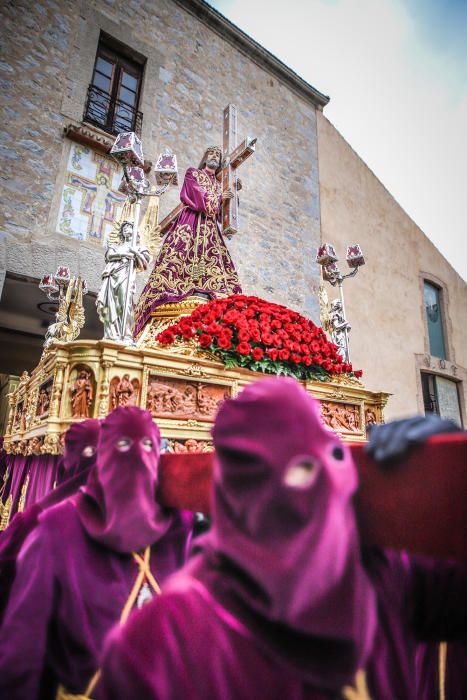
434 319
113 95
441 396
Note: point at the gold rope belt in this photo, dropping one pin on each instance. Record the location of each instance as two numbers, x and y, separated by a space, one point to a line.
144 572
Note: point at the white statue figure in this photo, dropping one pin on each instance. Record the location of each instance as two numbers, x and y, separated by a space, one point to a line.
340 328
115 301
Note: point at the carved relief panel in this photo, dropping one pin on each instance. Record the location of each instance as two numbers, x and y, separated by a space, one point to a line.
43 399
342 417
19 415
179 398
81 390
124 392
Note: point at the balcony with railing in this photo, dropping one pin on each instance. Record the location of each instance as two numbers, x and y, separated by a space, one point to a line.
111 115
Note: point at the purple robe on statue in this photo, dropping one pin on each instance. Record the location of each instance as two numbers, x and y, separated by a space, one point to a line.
279 604
76 569
193 257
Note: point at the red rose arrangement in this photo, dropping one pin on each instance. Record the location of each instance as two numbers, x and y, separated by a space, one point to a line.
245 331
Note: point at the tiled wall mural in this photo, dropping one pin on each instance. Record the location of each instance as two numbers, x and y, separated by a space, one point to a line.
90 198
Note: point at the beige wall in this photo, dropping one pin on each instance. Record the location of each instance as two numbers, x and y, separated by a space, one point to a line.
384 302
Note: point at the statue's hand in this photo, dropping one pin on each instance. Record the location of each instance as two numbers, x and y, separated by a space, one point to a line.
228 194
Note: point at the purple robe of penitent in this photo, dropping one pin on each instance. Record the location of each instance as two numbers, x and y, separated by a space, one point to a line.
76 569
193 257
279 604
79 457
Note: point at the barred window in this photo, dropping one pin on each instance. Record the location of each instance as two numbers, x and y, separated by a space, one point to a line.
113 95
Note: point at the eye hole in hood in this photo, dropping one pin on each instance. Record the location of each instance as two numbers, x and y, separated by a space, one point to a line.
301 472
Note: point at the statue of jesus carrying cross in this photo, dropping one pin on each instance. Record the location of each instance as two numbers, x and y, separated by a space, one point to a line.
194 259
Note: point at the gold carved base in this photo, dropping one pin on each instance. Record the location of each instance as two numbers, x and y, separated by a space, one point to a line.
164 316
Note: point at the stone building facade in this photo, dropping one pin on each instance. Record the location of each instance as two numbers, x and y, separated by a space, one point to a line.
193 64
59 189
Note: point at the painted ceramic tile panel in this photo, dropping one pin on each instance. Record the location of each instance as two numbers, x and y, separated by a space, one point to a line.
90 198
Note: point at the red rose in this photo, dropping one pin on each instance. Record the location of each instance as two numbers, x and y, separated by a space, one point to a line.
243 336
231 316
187 332
327 364
241 323
214 328
284 354
196 316
205 340
273 353
239 304
295 358
277 340
318 360
255 335
305 349
227 333
267 338
257 353
296 347
307 360
276 324
314 346
224 343
358 373
166 338
243 348
288 344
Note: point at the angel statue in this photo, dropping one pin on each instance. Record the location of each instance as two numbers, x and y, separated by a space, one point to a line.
70 315
115 301
340 327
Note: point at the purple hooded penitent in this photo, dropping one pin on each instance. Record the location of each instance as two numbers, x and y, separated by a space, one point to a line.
80 446
278 603
79 456
118 507
280 575
75 571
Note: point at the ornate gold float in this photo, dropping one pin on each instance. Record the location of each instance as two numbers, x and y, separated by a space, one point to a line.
182 387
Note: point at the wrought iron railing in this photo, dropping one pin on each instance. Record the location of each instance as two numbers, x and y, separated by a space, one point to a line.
113 116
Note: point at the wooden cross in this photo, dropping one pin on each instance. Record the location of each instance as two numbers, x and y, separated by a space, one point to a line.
232 157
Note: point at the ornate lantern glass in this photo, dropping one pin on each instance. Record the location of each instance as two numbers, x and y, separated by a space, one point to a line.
355 256
326 254
166 168
128 150
48 284
136 179
62 276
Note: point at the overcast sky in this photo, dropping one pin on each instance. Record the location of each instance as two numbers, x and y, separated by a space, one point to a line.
396 72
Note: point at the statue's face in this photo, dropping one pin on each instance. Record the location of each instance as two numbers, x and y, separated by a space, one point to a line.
213 159
127 231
